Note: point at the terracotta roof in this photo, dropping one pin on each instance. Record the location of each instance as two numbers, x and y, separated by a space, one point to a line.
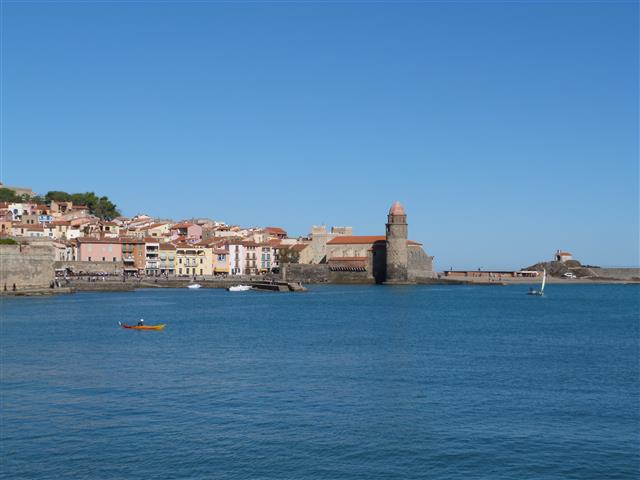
362 240
249 243
60 222
167 246
564 253
182 225
356 239
347 259
97 240
275 230
130 240
156 225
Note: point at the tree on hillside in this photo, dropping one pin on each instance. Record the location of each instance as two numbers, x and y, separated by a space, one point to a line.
99 206
8 195
57 196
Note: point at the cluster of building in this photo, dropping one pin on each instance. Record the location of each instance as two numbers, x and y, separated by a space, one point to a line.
205 247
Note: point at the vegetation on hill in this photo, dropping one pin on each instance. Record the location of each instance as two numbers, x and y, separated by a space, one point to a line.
99 206
8 195
8 241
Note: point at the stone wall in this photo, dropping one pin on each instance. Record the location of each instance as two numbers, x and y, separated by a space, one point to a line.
296 272
351 277
619 273
26 266
420 264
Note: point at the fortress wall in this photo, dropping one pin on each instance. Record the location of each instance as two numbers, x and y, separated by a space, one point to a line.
297 272
351 277
621 273
420 264
26 266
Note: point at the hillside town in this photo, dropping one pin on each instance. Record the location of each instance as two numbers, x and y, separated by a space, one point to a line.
84 243
143 245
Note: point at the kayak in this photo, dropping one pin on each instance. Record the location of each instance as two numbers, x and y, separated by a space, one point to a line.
144 327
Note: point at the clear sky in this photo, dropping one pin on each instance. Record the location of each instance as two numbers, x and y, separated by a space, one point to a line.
507 129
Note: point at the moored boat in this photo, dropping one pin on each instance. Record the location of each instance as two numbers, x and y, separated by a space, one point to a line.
194 286
239 288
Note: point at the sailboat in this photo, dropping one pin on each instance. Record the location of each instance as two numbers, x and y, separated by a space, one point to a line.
540 293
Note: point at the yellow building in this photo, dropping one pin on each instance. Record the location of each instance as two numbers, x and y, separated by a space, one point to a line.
193 260
167 258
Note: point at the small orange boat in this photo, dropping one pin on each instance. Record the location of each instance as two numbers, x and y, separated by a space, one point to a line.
143 327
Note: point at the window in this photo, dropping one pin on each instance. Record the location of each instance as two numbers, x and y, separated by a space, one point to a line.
201 262
200 271
180 271
89 258
180 260
104 259
114 259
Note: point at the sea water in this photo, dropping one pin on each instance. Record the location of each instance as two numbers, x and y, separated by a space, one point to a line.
342 382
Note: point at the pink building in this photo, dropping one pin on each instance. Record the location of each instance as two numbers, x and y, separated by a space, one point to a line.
99 249
190 231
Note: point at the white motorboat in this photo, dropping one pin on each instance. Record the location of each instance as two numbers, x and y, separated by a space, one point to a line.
239 288
540 293
194 285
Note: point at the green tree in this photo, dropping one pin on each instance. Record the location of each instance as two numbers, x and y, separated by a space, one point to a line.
57 196
8 195
99 206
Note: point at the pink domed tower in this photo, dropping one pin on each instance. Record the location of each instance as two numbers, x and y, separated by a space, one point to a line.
397 255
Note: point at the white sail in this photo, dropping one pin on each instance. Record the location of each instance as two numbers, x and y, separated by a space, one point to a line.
544 279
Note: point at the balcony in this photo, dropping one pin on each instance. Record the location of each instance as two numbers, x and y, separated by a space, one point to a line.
128 259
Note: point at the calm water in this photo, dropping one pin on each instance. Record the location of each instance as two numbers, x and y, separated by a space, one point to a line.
359 382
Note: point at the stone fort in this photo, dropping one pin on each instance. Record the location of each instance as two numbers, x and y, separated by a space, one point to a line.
341 257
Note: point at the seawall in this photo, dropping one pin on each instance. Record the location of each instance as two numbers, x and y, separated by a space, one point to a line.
26 266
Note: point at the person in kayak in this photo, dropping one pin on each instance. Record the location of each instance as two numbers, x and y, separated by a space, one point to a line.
141 322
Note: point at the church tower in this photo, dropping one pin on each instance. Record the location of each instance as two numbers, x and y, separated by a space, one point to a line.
397 255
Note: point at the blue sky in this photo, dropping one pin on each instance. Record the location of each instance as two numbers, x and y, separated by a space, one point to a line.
507 129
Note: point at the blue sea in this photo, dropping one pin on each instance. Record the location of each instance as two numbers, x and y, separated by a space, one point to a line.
343 382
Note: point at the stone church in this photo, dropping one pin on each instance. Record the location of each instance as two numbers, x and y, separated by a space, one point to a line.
388 259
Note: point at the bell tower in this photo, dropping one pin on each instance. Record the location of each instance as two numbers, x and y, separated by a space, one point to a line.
397 255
